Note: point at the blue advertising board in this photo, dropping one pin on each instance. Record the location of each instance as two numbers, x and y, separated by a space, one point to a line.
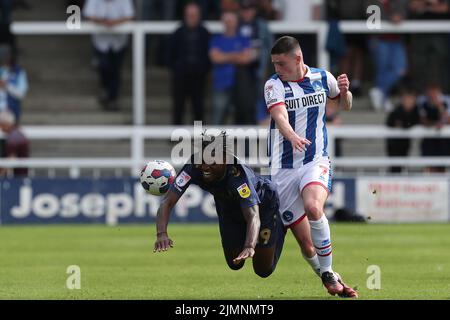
114 200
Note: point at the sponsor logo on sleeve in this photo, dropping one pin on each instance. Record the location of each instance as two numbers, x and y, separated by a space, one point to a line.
244 191
269 92
182 179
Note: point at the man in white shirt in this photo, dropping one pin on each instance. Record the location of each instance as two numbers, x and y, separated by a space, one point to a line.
109 47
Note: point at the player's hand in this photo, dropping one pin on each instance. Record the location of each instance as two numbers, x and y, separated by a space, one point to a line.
245 254
163 243
343 84
299 143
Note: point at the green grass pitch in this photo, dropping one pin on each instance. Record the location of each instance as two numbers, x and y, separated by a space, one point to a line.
118 263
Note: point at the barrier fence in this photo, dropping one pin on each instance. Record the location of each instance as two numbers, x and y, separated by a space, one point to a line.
137 137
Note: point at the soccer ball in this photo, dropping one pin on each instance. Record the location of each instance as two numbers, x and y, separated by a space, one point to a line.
157 176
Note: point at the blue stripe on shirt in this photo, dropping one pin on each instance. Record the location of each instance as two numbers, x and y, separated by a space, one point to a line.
305 84
287 158
325 135
325 82
311 127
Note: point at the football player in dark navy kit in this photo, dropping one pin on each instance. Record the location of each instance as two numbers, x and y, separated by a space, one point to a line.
246 204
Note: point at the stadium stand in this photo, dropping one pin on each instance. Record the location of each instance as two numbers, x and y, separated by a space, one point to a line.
69 85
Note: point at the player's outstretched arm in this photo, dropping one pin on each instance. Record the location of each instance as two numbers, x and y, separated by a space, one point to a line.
163 242
345 96
280 115
251 215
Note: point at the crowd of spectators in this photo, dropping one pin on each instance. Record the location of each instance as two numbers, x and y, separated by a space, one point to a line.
238 62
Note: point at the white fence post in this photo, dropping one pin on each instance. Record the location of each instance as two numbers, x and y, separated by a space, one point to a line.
137 151
323 56
138 76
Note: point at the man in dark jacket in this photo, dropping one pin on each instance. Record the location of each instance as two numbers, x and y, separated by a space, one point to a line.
190 64
405 116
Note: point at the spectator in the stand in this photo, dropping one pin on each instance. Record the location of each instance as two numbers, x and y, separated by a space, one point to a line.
110 47
227 51
434 108
404 116
389 54
16 144
430 51
13 83
252 81
190 64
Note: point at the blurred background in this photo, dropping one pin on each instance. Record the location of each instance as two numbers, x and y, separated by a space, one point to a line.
83 109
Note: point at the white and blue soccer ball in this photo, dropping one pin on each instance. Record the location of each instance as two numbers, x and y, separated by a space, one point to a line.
157 176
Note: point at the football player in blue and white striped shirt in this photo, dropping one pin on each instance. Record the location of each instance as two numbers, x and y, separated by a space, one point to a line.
296 97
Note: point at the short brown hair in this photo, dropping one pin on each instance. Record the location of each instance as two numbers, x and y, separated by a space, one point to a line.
285 44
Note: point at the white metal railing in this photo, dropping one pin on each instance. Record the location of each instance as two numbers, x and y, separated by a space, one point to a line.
138 135
138 30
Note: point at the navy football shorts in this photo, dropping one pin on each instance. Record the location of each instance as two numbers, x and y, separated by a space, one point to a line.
233 231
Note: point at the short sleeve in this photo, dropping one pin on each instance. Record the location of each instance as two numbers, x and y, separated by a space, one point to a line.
183 180
274 93
333 89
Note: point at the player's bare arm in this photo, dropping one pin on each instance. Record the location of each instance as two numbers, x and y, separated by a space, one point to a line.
251 215
163 242
280 116
345 96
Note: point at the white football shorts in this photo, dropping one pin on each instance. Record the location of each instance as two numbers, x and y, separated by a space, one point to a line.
291 182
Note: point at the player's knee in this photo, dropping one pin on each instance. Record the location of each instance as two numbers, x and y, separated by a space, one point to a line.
313 209
264 273
234 266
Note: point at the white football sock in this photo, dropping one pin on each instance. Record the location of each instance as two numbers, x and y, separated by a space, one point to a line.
320 234
314 263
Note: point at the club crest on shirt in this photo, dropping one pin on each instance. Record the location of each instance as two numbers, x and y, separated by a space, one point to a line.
317 85
244 191
182 179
